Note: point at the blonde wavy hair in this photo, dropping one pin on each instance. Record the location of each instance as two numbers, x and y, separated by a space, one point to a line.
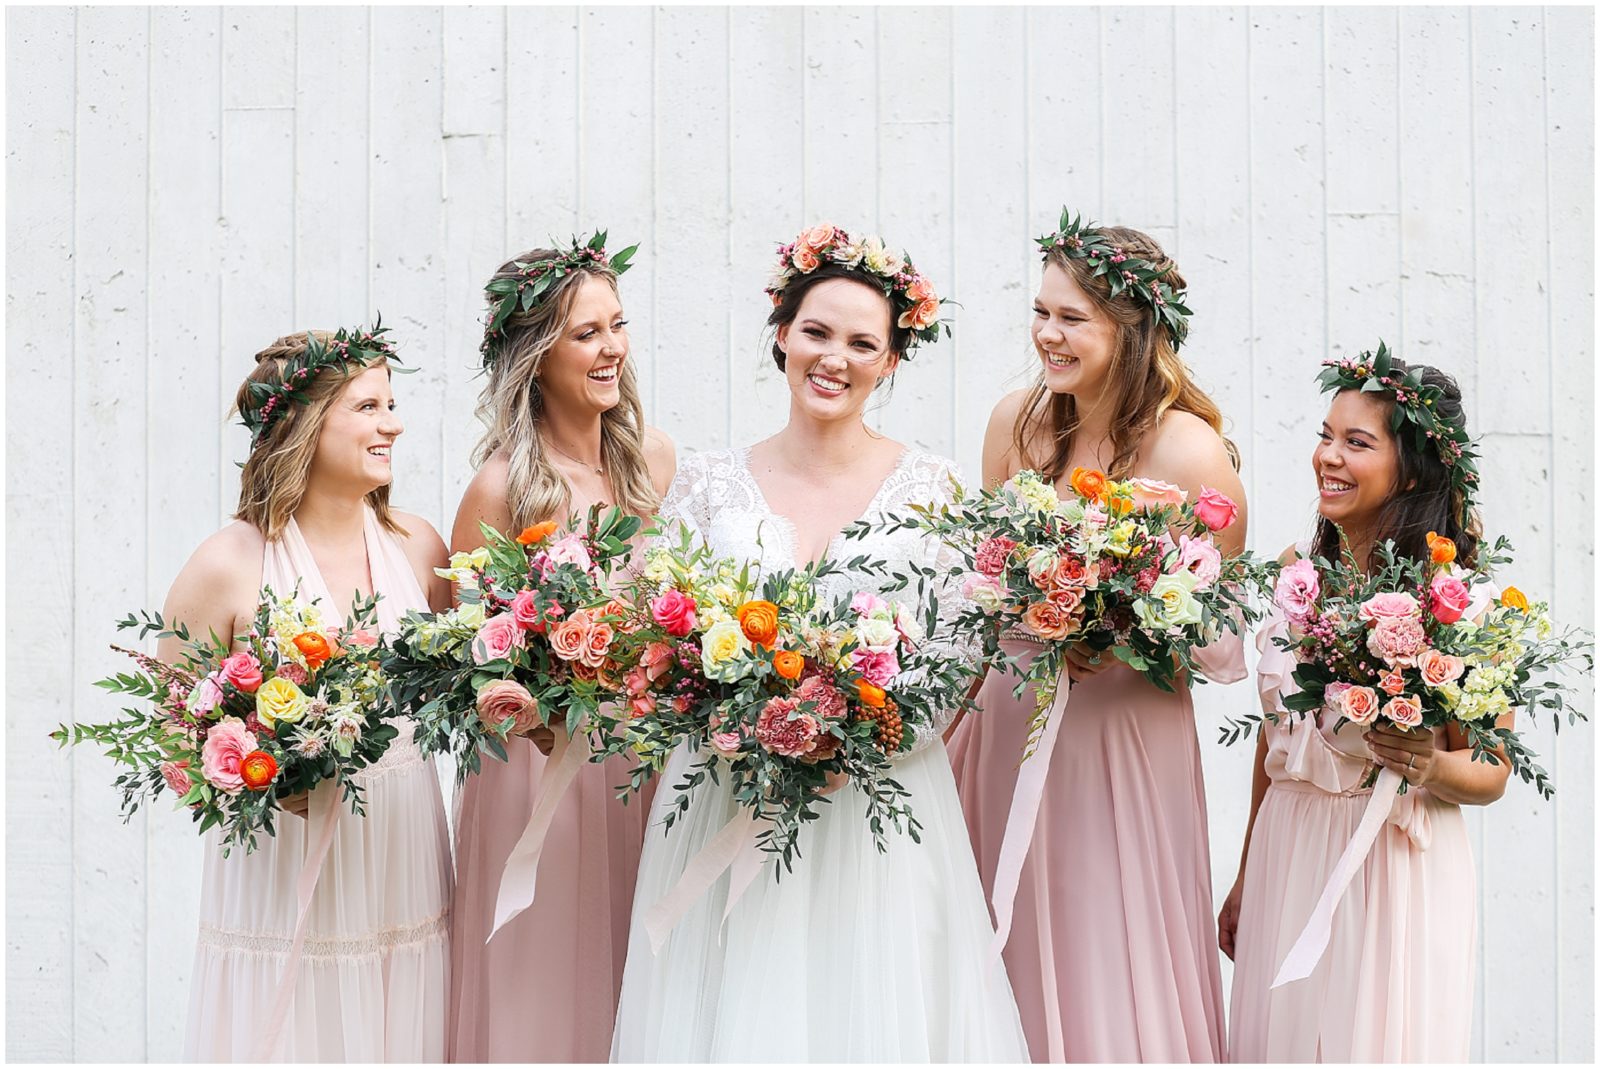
273 482
512 407
1146 380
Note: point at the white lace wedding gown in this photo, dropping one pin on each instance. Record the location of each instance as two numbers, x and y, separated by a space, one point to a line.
854 955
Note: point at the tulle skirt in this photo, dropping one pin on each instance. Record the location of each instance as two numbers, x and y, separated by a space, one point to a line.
855 955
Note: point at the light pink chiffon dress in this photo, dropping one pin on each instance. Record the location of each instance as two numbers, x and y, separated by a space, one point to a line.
372 982
1396 982
1113 948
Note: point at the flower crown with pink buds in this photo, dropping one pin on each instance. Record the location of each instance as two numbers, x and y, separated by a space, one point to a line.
347 350
1123 272
534 282
911 296
1416 405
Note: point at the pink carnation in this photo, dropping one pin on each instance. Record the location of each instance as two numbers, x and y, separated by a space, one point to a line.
1448 597
1297 590
1398 641
293 673
1331 695
991 556
876 666
1200 557
227 743
828 698
781 730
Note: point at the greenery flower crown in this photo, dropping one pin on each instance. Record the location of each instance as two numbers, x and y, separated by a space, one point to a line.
911 296
269 400
508 296
1123 271
1415 404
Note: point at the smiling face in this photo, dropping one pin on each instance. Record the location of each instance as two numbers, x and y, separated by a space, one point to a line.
1074 338
836 349
582 368
357 435
1356 462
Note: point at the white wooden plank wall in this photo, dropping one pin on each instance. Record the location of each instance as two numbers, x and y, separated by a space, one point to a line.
184 185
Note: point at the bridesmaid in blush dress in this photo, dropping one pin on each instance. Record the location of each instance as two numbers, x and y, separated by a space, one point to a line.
566 430
1395 983
370 981
1112 950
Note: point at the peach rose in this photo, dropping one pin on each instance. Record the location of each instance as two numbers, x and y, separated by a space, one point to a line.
596 645
1359 705
1404 710
503 698
805 259
1392 682
920 316
816 238
1047 621
571 637
1153 493
1440 668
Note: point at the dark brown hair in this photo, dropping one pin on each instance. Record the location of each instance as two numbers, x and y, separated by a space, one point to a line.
785 311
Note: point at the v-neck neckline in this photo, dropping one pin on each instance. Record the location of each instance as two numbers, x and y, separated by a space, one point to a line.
314 569
787 525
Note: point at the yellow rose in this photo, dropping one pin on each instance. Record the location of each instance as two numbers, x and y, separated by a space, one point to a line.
278 700
722 649
1119 540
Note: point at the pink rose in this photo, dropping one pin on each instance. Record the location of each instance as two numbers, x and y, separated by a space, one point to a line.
1200 557
495 640
243 671
1331 695
1448 597
1215 509
597 645
571 637
176 775
726 743
1389 606
674 611
876 666
206 695
1398 641
227 743
1358 704
571 550
780 729
1153 493
865 603
1392 682
1404 710
1047 621
656 660
1440 668
641 705
504 698
992 554
636 681
1297 590
524 610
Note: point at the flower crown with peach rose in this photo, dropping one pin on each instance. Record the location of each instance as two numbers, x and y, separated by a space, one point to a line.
1415 405
345 350
535 281
912 297
1123 272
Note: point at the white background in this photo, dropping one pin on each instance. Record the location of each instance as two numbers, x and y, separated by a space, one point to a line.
185 185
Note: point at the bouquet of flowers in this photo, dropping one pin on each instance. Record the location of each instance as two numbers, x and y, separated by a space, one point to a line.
530 642
231 733
778 688
1125 566
1396 645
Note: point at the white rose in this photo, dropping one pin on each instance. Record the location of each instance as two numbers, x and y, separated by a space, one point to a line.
877 635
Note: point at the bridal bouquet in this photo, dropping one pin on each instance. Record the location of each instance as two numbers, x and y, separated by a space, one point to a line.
1396 645
777 687
530 642
1127 567
231 733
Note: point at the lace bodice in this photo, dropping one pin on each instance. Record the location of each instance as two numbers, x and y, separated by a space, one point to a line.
717 497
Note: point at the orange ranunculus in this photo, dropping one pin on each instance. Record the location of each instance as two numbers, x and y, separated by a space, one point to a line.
1090 482
1514 598
314 648
531 536
871 694
258 769
759 622
788 664
1441 549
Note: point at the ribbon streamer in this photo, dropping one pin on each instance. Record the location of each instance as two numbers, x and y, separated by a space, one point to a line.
322 816
736 838
1313 940
1024 814
519 879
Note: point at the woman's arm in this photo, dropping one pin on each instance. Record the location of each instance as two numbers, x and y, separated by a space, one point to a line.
1450 774
485 501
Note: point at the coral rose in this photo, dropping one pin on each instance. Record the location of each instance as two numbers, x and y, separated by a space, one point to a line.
805 259
224 751
1089 482
920 316
1045 620
816 238
258 769
1358 704
1215 509
570 638
314 648
674 611
532 536
243 671
1448 598
759 622
495 640
1404 710
1392 682
788 664
597 644
505 697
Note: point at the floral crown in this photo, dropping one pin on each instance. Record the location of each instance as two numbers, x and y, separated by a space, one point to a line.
346 348
1415 403
535 280
1122 271
911 295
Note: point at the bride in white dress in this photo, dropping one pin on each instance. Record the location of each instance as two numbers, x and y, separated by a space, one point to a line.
855 955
